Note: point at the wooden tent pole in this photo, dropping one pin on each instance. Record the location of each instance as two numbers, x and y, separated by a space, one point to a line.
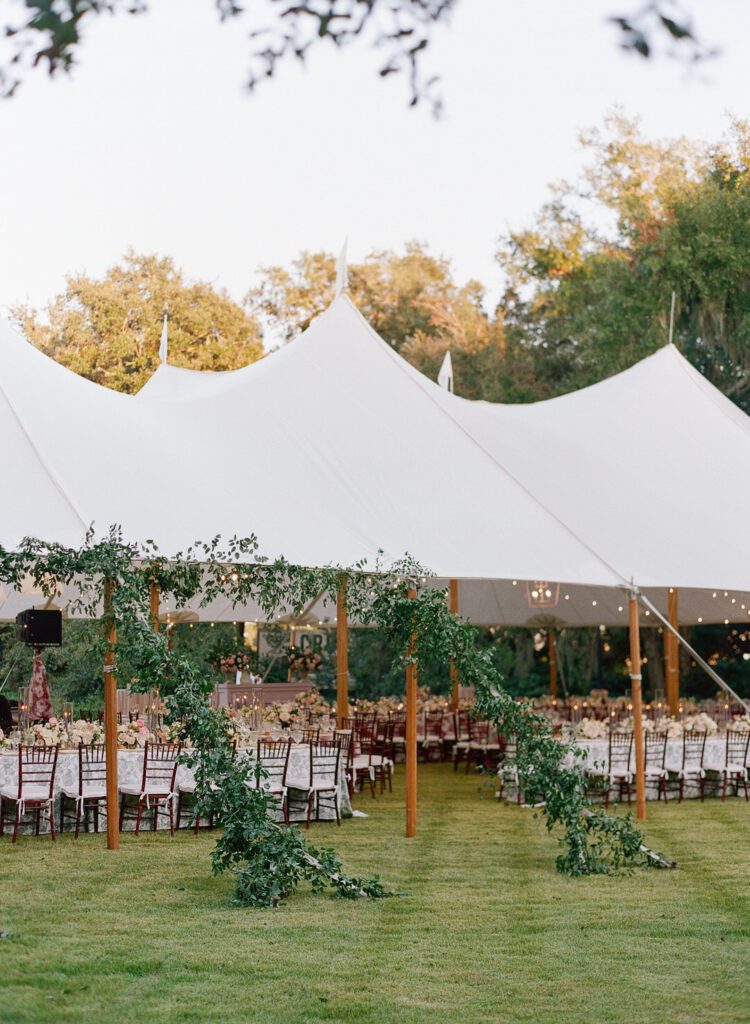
636 696
411 740
342 654
454 670
551 654
673 655
110 720
154 601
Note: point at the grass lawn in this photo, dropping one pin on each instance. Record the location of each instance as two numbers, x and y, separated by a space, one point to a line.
487 930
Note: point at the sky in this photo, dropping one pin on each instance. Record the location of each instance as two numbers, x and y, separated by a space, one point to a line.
154 142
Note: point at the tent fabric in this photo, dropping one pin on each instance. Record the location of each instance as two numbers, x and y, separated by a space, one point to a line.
647 465
324 450
334 449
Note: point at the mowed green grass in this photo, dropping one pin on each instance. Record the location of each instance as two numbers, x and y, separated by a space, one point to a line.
485 931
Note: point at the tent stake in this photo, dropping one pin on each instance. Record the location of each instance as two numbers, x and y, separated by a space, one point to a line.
636 692
110 720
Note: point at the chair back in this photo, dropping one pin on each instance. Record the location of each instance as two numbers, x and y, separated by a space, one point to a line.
693 749
479 730
310 734
620 751
463 726
92 767
510 747
325 756
737 744
344 739
159 767
433 725
273 756
37 767
655 750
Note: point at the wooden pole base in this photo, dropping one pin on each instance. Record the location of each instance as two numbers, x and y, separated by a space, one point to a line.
637 698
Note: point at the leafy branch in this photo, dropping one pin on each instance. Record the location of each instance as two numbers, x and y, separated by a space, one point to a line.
268 861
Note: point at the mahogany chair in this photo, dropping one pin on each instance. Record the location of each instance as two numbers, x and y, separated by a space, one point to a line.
734 768
325 763
34 791
654 764
91 792
273 757
157 789
463 738
433 734
483 744
310 734
619 766
691 767
344 738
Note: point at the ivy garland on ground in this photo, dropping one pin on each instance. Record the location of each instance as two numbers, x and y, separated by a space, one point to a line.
267 860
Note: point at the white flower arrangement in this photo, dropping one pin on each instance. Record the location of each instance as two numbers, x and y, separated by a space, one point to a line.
132 734
741 723
628 725
700 723
83 733
592 729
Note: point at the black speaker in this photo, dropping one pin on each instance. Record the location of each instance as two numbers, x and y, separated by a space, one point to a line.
39 628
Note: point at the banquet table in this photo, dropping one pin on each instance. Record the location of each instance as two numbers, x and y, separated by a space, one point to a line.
130 771
597 756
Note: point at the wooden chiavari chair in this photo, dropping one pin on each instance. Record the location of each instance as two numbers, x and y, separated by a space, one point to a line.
34 792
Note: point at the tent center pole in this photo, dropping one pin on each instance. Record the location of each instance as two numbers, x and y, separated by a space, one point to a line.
110 720
342 654
411 738
637 698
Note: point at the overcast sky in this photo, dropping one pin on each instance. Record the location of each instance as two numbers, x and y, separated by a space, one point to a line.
154 143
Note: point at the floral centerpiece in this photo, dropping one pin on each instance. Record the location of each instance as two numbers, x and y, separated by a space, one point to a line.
312 703
46 734
239 661
84 733
132 735
284 714
700 723
628 725
592 729
303 662
741 723
670 726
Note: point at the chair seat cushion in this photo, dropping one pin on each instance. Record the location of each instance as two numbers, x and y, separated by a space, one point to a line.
134 789
27 793
92 792
729 769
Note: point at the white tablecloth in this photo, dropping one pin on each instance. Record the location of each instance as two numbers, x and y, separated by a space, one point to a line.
597 755
130 771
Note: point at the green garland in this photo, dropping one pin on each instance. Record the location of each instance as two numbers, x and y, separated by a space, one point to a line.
269 861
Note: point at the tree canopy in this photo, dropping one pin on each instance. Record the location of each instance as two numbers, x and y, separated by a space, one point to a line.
590 283
49 34
109 329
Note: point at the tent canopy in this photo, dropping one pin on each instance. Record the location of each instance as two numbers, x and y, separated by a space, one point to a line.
334 449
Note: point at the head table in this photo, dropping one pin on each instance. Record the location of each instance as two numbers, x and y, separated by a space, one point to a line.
130 771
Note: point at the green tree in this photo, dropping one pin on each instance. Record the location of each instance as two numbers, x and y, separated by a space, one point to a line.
590 283
109 329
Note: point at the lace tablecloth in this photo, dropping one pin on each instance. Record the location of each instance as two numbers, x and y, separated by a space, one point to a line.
597 756
130 771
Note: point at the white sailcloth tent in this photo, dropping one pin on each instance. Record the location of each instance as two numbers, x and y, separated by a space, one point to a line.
326 449
659 422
